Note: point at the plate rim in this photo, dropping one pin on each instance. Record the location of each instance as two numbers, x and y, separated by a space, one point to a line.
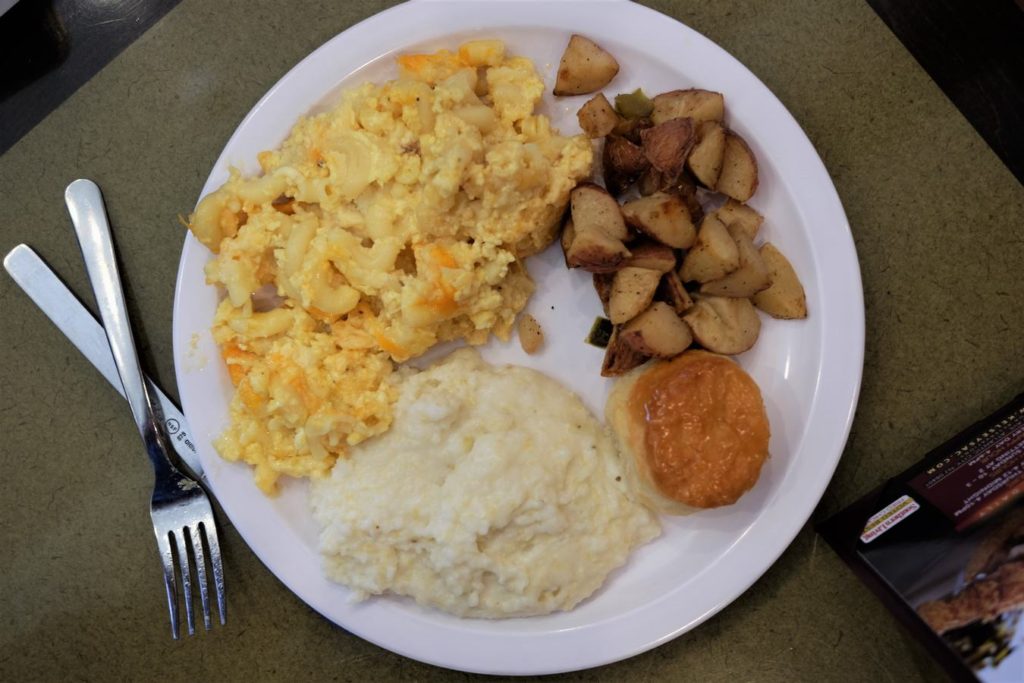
853 343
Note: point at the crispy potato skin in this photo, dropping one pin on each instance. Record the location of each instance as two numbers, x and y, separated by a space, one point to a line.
631 128
603 287
666 145
652 255
623 163
652 180
620 358
672 292
596 252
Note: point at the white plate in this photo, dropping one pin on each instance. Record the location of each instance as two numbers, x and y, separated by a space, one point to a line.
809 371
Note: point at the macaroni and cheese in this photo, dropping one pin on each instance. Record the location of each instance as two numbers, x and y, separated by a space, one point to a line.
395 221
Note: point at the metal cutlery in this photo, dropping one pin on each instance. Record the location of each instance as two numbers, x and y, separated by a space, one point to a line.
181 512
65 311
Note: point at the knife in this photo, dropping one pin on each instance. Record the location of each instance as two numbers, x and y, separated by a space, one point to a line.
72 318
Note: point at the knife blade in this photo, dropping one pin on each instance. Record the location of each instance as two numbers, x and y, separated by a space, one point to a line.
65 311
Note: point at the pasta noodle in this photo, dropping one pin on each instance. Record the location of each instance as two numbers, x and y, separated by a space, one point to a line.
397 220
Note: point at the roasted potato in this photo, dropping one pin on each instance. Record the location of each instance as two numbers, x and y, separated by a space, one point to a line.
738 178
751 277
531 336
652 180
785 297
603 287
672 292
687 191
568 235
593 208
736 215
585 67
631 128
705 159
663 216
653 256
632 291
657 332
596 252
623 163
722 324
619 358
699 105
597 232
666 145
714 255
669 146
596 117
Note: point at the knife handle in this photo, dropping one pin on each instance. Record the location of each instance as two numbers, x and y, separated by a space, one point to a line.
65 311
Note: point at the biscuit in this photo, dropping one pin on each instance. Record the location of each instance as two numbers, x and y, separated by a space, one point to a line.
693 431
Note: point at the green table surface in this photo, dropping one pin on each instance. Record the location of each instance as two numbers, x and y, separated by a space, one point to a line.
939 227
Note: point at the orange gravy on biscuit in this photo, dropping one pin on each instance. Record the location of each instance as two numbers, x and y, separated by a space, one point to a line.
705 428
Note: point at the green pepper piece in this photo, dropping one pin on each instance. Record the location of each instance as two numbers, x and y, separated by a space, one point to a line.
634 105
600 333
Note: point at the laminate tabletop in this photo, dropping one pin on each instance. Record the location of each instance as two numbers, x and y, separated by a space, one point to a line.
937 218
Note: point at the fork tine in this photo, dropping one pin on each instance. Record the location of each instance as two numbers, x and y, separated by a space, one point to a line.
163 542
210 532
186 577
194 536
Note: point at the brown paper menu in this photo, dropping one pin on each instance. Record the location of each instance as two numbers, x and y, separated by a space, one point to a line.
943 545
980 477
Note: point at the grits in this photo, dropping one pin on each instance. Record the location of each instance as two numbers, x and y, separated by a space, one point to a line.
396 221
494 494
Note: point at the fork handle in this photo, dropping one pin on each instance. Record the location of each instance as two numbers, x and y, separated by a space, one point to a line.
85 204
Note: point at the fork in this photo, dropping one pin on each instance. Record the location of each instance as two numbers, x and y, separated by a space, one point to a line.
181 511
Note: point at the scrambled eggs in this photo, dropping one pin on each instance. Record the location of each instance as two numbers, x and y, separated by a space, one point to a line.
496 493
396 221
